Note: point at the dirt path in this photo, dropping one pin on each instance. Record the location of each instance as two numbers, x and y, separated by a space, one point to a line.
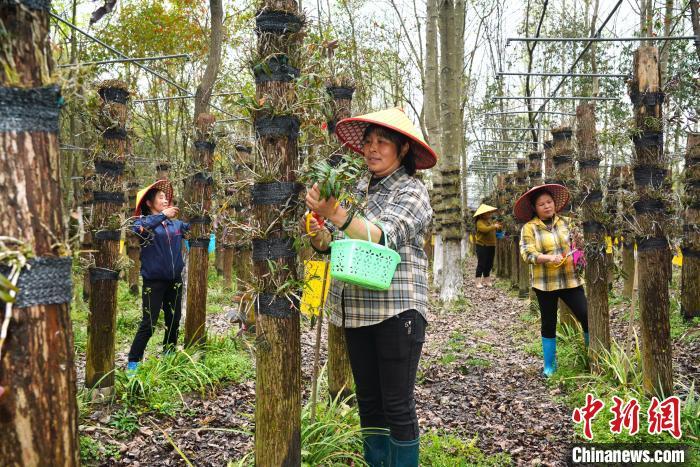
477 379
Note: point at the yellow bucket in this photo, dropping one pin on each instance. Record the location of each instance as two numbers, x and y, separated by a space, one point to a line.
315 276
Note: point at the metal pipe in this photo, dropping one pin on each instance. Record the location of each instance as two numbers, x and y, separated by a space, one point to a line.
155 99
596 39
513 112
583 52
126 60
509 142
122 55
510 128
570 75
559 98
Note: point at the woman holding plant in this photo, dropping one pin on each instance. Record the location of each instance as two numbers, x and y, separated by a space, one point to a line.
161 266
545 243
384 329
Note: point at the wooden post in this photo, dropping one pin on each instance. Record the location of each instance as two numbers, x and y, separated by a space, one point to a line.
228 237
107 217
340 382
652 243
279 31
86 247
197 210
612 206
242 262
535 178
591 198
523 267
690 274
133 249
513 250
625 220
561 170
38 409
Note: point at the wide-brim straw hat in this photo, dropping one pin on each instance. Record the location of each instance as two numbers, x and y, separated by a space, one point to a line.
484 209
350 131
160 185
523 209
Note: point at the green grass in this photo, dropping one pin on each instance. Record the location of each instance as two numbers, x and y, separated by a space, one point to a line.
92 451
160 384
442 449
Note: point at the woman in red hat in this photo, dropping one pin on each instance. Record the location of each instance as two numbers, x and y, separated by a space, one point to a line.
384 330
161 236
545 243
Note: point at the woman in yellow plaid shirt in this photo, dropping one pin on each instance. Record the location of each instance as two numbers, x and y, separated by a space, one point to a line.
545 245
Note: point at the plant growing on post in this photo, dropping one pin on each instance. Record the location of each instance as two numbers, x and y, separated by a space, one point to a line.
651 222
274 198
690 285
561 171
39 413
197 212
590 196
107 214
523 267
339 373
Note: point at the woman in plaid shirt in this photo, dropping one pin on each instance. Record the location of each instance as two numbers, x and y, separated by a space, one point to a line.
545 245
384 330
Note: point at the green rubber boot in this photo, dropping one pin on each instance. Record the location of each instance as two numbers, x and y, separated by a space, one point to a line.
404 453
377 449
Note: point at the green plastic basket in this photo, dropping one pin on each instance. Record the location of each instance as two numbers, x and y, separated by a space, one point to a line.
363 263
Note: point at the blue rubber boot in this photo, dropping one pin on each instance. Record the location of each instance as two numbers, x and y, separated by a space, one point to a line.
549 351
376 450
131 368
404 453
586 339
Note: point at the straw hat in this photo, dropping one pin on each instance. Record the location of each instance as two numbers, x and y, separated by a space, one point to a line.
350 131
160 185
483 209
523 209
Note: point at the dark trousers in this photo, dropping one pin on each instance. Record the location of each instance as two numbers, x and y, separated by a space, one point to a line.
484 260
384 360
156 295
576 300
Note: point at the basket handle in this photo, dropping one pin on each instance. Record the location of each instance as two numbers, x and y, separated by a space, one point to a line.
369 237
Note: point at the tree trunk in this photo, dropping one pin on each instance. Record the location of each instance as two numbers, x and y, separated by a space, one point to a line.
278 344
204 90
652 243
690 285
449 211
562 171
38 409
339 372
596 272
197 212
107 216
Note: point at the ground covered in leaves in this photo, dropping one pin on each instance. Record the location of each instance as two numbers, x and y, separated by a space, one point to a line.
480 396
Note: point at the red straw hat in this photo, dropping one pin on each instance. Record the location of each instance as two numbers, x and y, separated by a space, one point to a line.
523 209
160 185
351 130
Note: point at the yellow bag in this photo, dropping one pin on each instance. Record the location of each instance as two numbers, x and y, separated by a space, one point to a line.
316 277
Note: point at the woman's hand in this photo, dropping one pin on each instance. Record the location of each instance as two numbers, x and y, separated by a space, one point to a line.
310 225
556 259
171 212
324 208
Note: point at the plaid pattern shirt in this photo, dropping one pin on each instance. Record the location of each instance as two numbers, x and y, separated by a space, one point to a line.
399 204
536 239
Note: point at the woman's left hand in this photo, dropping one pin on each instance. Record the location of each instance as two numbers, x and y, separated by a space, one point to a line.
324 208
